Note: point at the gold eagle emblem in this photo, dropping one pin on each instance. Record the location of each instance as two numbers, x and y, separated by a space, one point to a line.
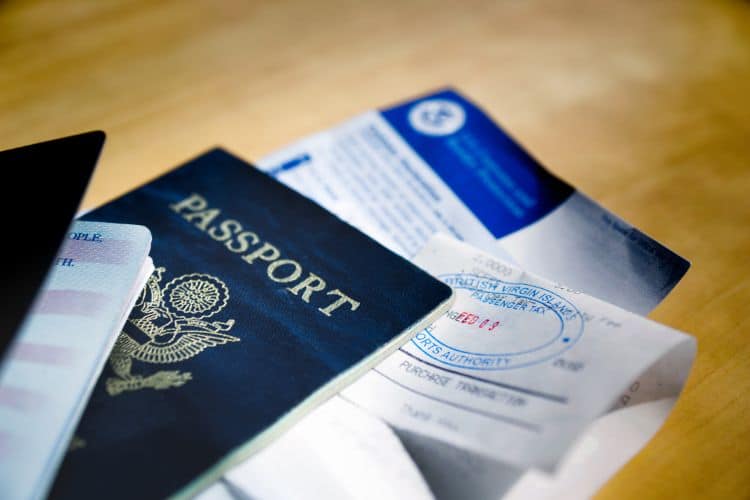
169 325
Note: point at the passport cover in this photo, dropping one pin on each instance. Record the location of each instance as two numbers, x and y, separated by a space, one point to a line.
262 305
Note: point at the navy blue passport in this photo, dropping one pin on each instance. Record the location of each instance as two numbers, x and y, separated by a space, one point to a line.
263 305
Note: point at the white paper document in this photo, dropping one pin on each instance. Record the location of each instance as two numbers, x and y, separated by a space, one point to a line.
519 367
606 446
338 451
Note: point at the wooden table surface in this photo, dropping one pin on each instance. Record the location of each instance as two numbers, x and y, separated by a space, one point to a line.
644 105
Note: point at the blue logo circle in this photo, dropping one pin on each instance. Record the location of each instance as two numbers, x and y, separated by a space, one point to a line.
437 117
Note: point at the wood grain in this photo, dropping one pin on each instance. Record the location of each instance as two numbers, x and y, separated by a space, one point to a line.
644 105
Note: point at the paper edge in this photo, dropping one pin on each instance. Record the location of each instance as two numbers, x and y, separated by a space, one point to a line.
319 396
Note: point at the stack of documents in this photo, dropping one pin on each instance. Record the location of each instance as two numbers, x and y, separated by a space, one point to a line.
426 313
59 352
495 398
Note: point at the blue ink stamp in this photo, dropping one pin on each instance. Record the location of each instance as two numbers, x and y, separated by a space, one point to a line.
500 325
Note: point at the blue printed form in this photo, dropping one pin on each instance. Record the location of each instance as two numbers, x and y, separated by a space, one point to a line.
438 163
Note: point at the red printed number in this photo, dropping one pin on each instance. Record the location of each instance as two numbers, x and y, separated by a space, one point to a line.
468 318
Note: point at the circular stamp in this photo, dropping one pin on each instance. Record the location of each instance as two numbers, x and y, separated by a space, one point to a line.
500 325
437 117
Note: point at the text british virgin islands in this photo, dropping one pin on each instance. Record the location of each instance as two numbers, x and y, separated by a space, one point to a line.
251 248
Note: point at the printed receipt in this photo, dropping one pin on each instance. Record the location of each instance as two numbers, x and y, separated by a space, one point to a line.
500 386
519 366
